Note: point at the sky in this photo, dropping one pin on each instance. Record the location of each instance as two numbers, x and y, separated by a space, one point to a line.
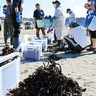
77 6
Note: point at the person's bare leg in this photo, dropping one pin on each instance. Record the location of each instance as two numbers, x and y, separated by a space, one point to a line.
43 31
94 43
37 33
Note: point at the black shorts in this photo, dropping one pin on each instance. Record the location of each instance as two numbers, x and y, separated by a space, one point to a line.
39 28
93 34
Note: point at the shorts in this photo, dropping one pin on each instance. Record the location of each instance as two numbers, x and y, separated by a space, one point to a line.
93 34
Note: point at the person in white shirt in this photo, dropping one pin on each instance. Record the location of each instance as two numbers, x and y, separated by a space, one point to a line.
71 17
58 22
76 38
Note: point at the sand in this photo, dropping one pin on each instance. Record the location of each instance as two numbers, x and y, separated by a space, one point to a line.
80 67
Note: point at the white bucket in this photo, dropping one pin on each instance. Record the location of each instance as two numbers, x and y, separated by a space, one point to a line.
9 73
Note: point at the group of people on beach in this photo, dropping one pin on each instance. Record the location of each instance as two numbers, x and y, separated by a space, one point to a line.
76 37
78 41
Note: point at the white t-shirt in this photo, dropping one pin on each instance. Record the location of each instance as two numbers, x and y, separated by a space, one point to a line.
60 20
71 18
79 36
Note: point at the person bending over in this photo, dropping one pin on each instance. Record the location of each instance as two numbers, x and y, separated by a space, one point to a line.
76 38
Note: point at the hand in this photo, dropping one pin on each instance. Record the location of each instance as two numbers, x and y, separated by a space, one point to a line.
18 17
5 11
34 24
51 19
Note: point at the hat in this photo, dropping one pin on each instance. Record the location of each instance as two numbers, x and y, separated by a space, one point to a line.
68 10
56 2
74 24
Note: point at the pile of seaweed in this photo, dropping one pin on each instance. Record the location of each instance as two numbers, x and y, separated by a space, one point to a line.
48 80
7 50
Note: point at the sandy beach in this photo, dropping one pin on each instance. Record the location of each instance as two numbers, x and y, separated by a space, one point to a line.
80 67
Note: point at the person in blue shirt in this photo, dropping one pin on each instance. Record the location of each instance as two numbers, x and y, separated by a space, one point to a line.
90 13
71 17
38 15
92 9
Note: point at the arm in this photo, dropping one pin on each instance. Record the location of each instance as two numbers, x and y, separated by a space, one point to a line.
16 5
70 33
17 11
43 14
92 7
88 7
34 22
34 16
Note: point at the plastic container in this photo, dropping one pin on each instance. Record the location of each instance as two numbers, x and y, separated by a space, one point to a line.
29 38
37 44
50 40
9 73
48 23
44 43
40 23
30 52
43 23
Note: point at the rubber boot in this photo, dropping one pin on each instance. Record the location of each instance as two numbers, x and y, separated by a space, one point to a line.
11 40
15 42
55 38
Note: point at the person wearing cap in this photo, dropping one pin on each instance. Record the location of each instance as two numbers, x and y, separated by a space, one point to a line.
16 20
91 7
58 22
76 38
38 15
71 17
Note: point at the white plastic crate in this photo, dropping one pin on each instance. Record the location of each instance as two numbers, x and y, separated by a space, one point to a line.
29 38
9 73
44 43
32 38
50 40
30 52
35 44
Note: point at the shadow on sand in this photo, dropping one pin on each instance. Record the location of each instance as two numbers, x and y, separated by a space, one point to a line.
59 54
